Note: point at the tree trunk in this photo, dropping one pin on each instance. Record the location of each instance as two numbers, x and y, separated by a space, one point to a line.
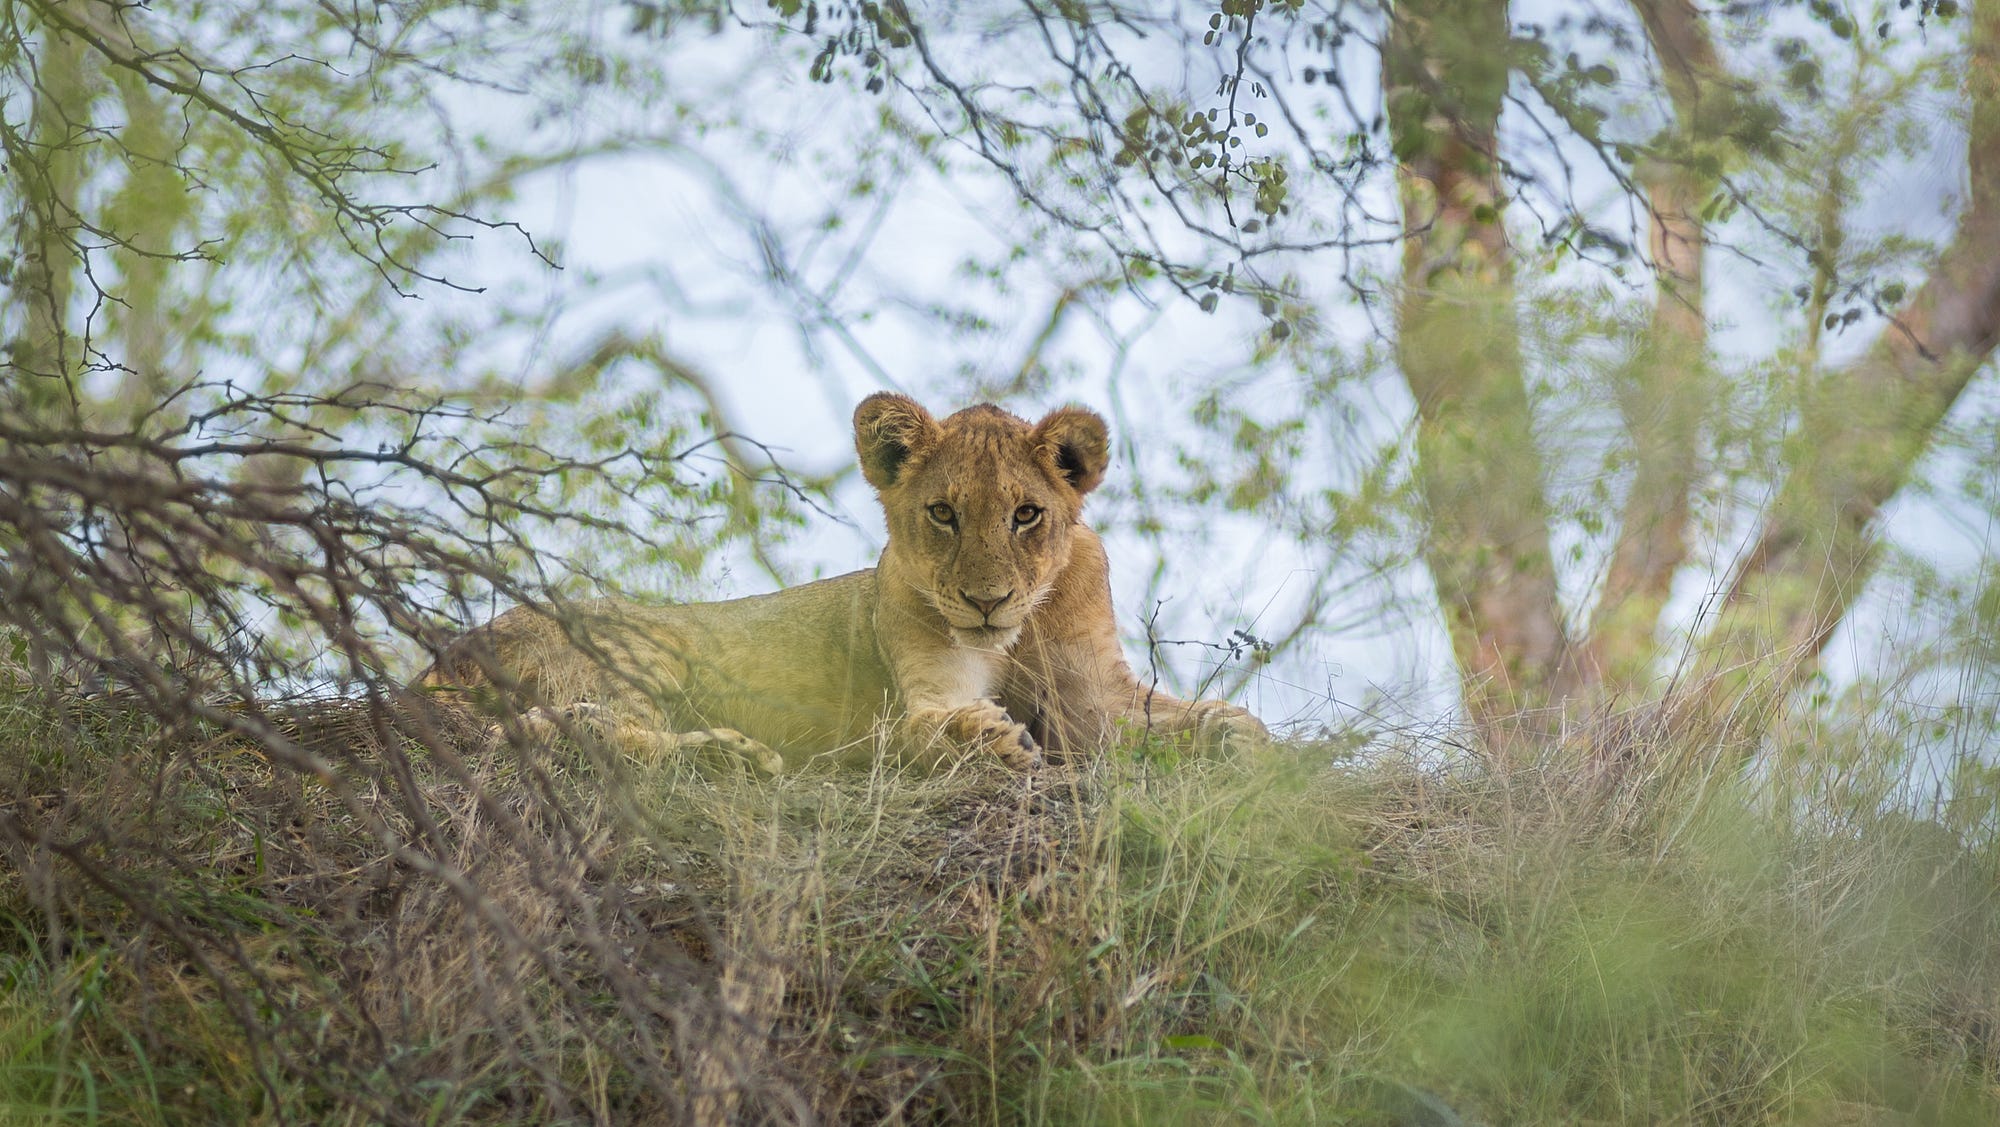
1445 74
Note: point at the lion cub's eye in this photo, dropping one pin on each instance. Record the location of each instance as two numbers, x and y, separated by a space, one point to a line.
1026 516
941 513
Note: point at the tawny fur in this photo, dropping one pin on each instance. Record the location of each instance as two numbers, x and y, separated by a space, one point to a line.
985 628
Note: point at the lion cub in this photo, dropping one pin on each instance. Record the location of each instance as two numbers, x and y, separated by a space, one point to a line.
986 628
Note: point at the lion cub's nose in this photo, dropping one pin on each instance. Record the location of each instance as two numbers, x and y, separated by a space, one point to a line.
986 606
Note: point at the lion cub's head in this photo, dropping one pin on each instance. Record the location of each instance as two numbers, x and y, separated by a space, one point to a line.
981 506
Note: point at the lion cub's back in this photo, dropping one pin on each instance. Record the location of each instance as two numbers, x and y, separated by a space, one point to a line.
797 668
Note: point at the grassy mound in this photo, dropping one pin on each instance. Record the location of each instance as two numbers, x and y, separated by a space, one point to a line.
416 931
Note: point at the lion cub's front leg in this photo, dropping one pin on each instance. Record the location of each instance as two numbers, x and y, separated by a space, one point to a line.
1217 727
946 707
929 734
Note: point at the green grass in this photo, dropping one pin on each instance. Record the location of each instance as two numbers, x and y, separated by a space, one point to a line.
189 933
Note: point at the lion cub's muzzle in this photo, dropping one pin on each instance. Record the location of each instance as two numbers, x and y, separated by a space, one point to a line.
987 604
987 619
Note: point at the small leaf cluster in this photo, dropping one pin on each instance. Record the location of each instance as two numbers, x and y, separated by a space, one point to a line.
1144 136
1270 177
1208 146
866 32
1858 298
1327 37
1944 10
1570 86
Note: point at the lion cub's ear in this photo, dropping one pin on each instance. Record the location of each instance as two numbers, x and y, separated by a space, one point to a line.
1079 444
889 430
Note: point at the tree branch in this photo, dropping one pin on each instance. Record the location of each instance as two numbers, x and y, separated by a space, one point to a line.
1664 399
1862 428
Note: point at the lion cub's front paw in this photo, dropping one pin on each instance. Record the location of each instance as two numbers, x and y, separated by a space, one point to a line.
1228 730
986 727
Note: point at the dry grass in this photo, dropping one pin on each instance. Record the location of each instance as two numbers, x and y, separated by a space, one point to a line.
192 933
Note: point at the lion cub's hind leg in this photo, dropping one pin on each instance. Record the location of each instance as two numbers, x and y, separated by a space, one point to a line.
644 743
